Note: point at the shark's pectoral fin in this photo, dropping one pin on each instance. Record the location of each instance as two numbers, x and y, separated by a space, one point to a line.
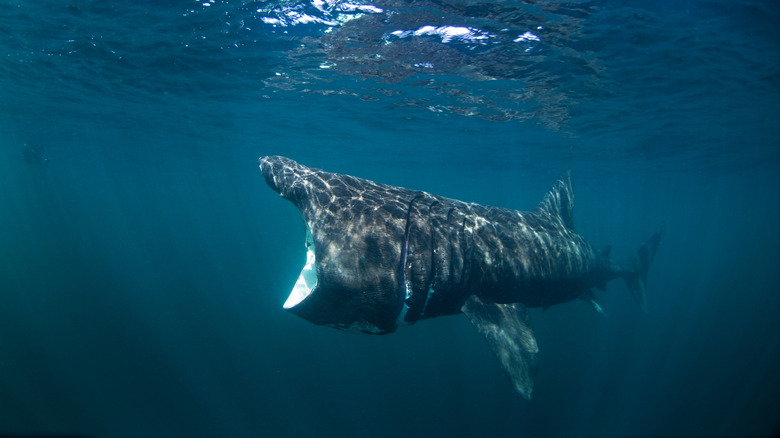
507 329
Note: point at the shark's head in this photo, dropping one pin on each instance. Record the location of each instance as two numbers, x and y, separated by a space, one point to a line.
353 240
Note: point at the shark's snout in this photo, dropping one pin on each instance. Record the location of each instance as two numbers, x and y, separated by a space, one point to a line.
269 167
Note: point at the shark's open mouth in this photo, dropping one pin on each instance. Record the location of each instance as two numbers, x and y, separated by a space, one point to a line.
307 280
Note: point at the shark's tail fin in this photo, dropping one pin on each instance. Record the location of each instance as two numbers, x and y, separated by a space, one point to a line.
635 269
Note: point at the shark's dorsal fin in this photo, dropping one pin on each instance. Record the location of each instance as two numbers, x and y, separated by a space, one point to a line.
507 329
559 202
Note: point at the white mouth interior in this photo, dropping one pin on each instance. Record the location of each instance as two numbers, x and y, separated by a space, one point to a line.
307 281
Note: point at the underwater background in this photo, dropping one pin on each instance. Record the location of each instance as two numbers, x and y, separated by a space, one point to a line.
144 261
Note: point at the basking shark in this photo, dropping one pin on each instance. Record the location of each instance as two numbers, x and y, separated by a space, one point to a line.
380 256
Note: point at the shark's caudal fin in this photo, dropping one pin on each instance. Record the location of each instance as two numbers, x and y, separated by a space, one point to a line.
507 329
635 269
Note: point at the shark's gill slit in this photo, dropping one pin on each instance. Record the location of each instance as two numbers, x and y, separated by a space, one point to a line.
307 280
404 291
432 274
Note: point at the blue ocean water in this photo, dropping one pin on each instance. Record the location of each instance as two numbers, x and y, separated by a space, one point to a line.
144 261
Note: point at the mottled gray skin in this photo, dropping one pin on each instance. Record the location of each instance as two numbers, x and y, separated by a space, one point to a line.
363 231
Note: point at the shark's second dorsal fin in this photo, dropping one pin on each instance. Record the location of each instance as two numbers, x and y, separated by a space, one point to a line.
559 202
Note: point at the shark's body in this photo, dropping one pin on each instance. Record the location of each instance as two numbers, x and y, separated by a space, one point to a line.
381 256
